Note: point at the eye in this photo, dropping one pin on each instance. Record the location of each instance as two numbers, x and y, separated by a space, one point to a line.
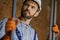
32 7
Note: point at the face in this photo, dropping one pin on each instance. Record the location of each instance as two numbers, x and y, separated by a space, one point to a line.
29 9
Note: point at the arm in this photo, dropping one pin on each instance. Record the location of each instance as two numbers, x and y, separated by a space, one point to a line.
10 25
2 28
56 30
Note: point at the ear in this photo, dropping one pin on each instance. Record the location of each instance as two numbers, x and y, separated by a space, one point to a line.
37 13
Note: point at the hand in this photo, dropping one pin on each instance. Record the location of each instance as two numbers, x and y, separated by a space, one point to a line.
10 25
55 29
6 37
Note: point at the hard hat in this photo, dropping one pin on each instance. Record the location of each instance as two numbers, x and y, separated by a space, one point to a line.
38 1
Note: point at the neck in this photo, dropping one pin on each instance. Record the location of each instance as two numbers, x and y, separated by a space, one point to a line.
26 21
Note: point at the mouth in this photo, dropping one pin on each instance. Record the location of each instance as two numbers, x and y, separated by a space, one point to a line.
26 13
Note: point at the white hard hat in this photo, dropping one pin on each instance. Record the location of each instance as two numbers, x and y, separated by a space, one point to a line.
38 1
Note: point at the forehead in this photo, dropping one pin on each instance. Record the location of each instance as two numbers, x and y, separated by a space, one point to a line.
31 2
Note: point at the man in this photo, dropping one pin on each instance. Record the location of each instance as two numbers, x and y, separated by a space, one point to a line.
20 29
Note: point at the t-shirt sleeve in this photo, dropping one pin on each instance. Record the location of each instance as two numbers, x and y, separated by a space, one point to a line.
2 27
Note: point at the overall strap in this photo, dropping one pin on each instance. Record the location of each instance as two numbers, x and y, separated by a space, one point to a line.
35 35
18 34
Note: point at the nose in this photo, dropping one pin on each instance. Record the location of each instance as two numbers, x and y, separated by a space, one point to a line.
28 7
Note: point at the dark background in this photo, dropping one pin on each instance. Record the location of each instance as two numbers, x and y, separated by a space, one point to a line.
40 24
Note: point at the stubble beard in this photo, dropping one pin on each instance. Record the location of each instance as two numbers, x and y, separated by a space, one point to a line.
23 14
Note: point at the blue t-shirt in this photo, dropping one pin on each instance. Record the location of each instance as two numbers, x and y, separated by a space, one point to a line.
26 32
